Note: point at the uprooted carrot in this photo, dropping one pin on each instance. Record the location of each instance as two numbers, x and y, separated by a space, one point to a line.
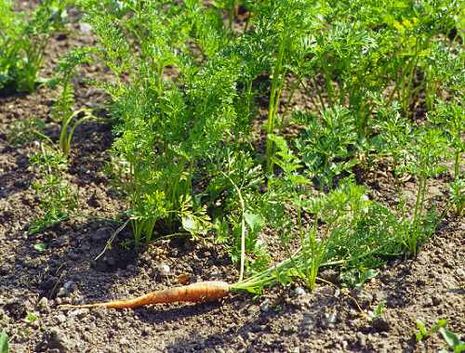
193 293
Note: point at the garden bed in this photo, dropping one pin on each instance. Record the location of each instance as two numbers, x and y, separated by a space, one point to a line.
58 265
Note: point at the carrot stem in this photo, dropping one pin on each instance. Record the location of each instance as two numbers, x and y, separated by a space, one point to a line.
243 226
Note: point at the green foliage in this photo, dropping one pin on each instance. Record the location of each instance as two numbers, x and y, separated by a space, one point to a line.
64 72
424 333
328 145
314 252
280 30
393 138
207 136
426 153
362 232
356 234
63 108
4 344
379 310
23 40
68 126
420 151
40 247
25 131
450 117
454 342
31 317
189 112
457 195
48 160
241 210
57 197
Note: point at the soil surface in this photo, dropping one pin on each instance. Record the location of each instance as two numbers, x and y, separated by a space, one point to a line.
331 319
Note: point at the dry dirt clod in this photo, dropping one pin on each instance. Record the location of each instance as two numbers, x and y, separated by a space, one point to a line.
62 292
57 339
380 324
299 291
43 305
164 270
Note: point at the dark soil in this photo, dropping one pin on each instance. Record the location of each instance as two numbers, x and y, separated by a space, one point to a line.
290 319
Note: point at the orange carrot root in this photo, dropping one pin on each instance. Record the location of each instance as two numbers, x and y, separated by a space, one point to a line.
193 293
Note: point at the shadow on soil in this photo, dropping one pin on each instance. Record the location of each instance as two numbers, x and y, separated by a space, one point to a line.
224 338
66 263
89 149
17 179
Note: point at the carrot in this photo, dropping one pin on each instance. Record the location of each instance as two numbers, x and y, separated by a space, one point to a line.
193 293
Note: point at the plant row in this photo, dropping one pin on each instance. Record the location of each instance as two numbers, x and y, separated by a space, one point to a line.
243 119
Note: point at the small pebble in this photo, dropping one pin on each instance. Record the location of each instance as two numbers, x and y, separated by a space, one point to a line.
61 318
164 269
362 341
58 340
265 305
79 313
70 286
299 291
124 341
436 300
62 292
252 310
43 304
288 329
85 28
331 318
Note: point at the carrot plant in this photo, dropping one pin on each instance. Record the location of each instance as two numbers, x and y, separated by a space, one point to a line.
444 69
63 109
25 131
450 117
56 196
423 156
236 204
291 188
328 145
281 27
356 234
419 31
457 195
23 38
207 137
347 62
175 110
364 57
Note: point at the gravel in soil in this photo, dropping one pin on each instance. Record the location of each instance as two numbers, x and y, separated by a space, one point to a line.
33 284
